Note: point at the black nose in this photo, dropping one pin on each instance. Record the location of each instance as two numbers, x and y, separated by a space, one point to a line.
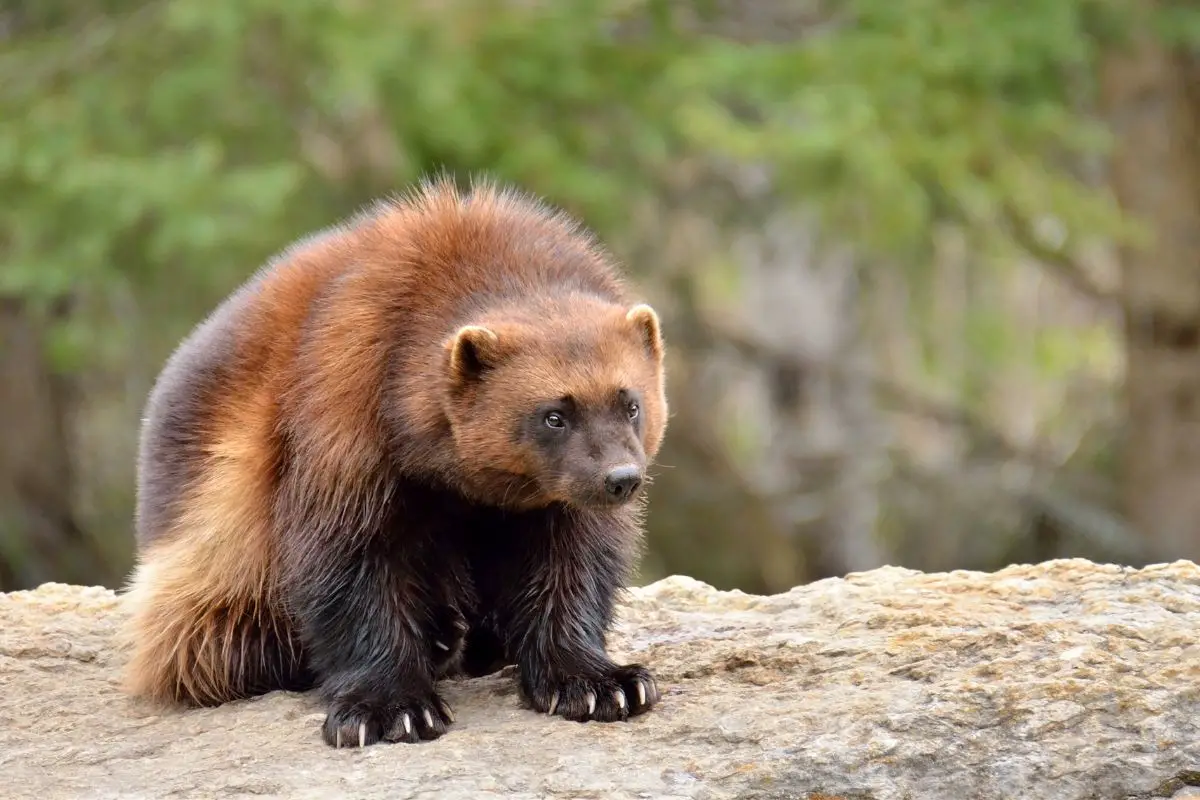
622 482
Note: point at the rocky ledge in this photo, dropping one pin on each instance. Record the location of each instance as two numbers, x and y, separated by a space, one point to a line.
1062 680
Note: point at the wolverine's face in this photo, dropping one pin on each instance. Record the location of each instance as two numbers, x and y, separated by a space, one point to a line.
565 406
587 450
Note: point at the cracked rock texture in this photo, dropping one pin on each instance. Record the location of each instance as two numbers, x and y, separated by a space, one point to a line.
1063 680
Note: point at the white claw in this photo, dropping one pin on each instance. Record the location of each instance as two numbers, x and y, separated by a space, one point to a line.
620 696
337 737
442 645
641 693
591 702
553 703
428 719
407 725
362 734
448 712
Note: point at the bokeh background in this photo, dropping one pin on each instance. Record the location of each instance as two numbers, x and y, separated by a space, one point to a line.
930 270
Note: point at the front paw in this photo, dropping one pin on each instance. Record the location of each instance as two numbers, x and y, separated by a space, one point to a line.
357 723
620 693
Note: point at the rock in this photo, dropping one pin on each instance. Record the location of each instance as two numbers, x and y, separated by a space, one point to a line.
1062 680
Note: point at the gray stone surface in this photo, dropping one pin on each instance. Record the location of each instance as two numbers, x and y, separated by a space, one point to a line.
1064 681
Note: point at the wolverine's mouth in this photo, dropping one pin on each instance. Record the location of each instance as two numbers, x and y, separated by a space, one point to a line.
610 489
613 488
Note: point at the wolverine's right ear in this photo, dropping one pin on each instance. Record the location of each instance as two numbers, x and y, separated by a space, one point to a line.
473 349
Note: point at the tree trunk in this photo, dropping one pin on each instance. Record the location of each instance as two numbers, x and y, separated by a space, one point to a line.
821 449
39 539
1151 97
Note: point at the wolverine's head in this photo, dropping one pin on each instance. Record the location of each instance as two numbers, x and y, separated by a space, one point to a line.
558 401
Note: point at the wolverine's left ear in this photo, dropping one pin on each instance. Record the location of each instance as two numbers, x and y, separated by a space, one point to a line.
646 320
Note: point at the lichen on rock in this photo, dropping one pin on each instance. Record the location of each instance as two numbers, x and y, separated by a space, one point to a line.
1064 680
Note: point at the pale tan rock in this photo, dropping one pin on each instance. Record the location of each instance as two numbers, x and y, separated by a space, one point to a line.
1064 681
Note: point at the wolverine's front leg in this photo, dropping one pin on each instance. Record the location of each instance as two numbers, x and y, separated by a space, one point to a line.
558 619
367 616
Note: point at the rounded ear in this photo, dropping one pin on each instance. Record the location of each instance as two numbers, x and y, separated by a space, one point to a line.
473 349
646 321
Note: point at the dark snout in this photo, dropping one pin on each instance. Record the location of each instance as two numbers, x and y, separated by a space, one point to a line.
622 483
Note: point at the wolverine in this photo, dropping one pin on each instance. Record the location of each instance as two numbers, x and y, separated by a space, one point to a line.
410 446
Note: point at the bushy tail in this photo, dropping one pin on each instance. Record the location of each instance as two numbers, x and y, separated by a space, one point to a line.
190 640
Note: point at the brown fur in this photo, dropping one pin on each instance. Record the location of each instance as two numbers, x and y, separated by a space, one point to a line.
359 371
204 586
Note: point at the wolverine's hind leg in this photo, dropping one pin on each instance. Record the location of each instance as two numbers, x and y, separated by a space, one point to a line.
206 624
193 641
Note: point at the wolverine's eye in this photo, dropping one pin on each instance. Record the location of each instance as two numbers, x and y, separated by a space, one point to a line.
634 410
555 420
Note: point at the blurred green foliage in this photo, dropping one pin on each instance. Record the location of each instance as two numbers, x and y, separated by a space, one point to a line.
147 141
152 141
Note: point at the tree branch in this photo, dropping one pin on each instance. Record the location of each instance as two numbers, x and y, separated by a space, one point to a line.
893 394
1103 529
1057 262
